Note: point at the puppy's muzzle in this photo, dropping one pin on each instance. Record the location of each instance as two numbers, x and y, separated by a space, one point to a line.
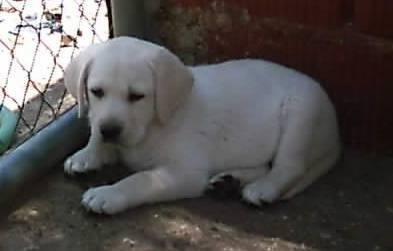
110 132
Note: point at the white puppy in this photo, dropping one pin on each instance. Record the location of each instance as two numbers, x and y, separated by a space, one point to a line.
182 127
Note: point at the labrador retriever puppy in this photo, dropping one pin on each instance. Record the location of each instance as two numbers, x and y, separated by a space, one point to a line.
183 128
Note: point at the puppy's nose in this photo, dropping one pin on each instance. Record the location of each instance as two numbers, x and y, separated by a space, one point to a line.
110 131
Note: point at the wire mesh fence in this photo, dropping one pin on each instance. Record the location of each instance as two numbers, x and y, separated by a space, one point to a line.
38 38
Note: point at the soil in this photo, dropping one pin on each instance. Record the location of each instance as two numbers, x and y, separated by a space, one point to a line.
351 208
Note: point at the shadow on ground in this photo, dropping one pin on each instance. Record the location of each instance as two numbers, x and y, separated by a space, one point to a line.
351 208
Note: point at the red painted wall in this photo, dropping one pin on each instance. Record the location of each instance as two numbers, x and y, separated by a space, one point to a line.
345 44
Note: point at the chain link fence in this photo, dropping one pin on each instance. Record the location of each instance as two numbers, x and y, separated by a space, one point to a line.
38 38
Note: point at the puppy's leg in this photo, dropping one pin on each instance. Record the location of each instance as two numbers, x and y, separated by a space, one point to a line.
92 157
160 184
320 166
291 162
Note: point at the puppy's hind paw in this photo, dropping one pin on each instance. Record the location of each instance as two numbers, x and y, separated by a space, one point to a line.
224 186
260 193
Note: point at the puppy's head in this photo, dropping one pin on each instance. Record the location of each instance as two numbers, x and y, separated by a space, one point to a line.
125 85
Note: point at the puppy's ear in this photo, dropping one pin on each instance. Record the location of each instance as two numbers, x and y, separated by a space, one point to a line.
173 83
75 77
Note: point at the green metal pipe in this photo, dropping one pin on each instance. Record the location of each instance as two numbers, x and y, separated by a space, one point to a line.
41 153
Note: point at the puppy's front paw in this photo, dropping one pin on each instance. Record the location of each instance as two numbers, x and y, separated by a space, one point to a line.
81 162
260 192
104 200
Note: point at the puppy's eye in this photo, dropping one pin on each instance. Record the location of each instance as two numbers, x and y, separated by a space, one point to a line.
98 92
134 97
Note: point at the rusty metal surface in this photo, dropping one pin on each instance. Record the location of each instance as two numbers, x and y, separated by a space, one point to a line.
354 68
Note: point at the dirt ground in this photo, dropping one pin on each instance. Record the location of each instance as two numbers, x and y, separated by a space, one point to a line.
351 208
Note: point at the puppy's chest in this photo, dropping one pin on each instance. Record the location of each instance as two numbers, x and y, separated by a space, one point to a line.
139 158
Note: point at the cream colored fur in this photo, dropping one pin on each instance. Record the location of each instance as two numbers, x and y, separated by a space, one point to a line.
196 124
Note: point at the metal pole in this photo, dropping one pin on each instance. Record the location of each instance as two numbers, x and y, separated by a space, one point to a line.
128 18
134 18
41 153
